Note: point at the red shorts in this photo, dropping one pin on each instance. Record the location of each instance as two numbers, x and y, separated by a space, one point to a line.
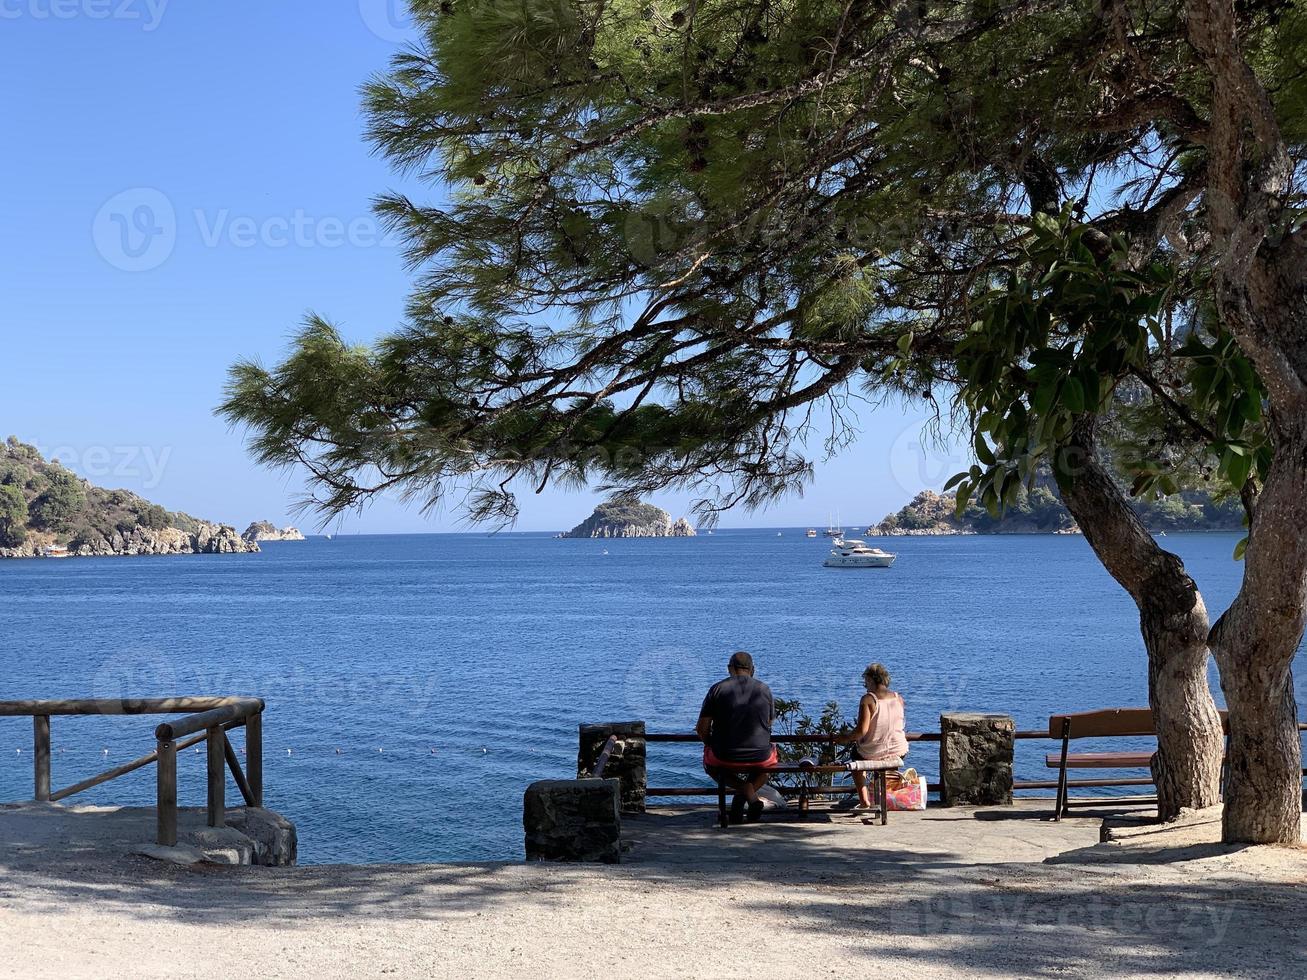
711 762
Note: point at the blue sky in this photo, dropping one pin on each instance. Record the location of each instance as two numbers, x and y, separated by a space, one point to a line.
182 183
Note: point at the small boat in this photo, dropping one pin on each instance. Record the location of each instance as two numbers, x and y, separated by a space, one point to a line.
852 553
812 532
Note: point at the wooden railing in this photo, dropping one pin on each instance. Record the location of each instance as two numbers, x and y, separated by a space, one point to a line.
206 719
1018 785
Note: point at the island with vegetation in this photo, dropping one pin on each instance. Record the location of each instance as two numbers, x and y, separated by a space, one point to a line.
1041 511
630 519
267 531
49 511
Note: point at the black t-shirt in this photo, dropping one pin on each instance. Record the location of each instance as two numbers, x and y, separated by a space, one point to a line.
741 711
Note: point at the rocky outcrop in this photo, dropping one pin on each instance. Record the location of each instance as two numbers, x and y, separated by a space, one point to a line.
630 519
48 511
267 531
928 513
252 836
1039 510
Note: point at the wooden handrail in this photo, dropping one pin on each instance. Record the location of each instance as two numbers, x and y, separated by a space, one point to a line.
116 706
692 737
237 710
602 763
207 719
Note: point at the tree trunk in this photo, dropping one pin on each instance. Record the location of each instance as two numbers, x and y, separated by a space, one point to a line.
1258 255
1255 643
1172 619
1187 767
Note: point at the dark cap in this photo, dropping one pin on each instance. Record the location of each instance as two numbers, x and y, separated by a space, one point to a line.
742 661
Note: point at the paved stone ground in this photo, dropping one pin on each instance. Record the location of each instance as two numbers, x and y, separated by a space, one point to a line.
947 893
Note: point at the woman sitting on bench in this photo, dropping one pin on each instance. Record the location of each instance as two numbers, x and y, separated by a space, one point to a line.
879 735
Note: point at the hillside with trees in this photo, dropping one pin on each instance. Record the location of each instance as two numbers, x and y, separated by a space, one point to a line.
46 509
1040 511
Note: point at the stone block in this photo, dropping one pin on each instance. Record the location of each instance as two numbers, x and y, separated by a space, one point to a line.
975 759
573 820
626 764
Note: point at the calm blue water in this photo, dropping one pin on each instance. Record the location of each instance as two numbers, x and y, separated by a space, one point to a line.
416 684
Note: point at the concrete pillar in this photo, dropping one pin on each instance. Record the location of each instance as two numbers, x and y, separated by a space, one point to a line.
975 759
573 820
627 762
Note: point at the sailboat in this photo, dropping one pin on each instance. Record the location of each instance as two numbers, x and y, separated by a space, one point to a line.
834 530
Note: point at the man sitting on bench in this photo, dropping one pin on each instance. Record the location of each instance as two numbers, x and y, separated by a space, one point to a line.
735 726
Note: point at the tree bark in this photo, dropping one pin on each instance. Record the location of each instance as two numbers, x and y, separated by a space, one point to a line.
1172 619
1260 277
1254 644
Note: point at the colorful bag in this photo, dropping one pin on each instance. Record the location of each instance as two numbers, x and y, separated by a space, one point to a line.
905 791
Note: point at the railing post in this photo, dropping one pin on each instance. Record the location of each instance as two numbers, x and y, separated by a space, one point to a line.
166 804
41 756
217 777
254 756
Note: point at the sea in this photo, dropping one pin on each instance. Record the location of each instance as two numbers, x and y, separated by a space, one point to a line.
416 684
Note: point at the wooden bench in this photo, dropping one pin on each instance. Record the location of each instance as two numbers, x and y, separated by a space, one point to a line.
879 789
1105 723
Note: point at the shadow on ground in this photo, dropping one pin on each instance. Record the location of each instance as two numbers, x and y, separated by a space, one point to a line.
914 894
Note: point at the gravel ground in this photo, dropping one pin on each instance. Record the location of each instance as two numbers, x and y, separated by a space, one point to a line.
781 900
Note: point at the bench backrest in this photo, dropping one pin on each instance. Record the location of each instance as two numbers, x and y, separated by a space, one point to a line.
1113 721
1108 721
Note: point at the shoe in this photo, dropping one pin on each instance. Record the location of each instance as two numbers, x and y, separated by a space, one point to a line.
737 808
864 808
755 811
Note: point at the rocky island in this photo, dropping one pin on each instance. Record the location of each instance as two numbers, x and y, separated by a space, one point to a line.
48 511
630 519
267 531
1040 511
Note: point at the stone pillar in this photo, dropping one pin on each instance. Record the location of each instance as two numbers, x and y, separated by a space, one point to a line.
975 759
627 762
573 820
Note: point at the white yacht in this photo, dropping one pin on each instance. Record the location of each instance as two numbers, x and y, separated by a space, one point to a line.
852 553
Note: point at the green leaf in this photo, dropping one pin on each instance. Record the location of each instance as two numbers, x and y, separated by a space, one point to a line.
1073 396
1241 549
962 498
1237 464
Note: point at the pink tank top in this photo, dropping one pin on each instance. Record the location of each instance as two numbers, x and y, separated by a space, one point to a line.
887 739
